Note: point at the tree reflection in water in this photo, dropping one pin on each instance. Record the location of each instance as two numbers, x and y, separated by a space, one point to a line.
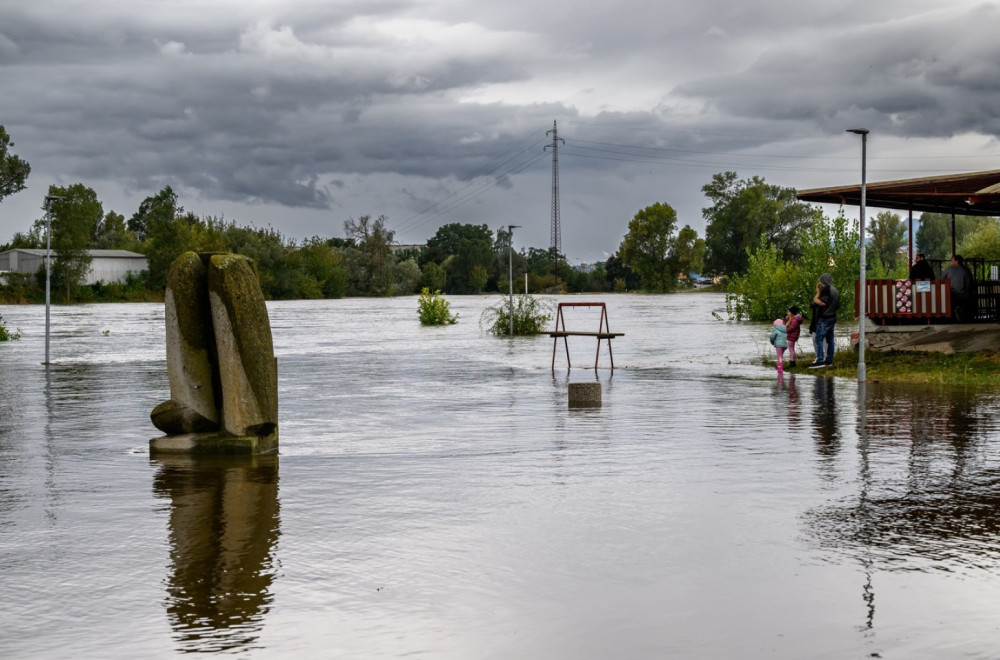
223 528
929 482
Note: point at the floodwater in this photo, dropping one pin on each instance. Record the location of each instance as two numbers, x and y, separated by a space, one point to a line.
435 497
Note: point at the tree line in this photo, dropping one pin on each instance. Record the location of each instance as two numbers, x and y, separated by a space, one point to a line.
749 224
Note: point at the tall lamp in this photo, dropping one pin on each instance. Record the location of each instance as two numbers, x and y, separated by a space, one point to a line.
48 265
863 132
510 264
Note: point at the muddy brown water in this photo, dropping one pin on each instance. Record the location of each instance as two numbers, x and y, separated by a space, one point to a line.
435 497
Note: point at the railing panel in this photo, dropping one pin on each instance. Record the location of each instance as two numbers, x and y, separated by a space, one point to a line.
905 299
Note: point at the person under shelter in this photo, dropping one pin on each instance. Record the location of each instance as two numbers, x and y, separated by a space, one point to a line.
921 269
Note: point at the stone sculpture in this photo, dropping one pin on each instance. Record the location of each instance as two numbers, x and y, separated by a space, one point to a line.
220 360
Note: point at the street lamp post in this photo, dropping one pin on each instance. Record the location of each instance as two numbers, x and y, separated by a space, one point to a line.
863 132
48 266
510 266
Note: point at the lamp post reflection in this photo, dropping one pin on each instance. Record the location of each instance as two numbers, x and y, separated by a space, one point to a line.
223 527
865 532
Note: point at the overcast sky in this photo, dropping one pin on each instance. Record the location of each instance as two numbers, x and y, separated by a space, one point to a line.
300 114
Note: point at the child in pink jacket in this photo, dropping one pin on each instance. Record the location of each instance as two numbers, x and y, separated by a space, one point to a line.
793 322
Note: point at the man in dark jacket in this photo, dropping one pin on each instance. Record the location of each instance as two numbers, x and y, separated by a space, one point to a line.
827 302
921 269
963 290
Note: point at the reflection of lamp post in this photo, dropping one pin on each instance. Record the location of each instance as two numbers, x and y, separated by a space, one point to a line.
510 260
48 265
863 132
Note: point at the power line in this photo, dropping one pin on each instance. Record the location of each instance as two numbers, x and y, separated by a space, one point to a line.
512 162
463 194
442 208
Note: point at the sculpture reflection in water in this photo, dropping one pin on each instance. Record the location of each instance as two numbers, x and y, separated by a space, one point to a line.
224 524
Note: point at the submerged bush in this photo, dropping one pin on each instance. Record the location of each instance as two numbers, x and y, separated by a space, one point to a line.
434 309
530 315
6 335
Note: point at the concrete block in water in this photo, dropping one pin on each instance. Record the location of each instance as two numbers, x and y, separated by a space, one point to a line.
584 395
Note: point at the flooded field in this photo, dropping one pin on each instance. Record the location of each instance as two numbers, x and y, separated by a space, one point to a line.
434 497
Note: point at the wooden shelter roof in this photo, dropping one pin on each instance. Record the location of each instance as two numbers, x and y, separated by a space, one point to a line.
973 193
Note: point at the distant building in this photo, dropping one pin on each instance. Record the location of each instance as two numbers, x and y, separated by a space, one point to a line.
108 266
397 248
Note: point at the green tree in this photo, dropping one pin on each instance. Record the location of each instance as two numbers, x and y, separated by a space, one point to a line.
620 277
165 237
375 257
934 233
746 213
539 261
407 276
478 277
464 248
887 235
467 268
161 207
34 238
322 264
983 242
432 276
280 275
505 262
771 283
647 247
111 233
687 252
13 170
447 240
74 218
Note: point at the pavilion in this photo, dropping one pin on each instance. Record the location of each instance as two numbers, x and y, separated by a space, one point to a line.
972 193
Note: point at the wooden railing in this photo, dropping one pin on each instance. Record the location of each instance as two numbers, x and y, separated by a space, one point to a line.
924 299
988 301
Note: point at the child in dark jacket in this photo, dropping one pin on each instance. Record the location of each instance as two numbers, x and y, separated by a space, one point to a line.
793 325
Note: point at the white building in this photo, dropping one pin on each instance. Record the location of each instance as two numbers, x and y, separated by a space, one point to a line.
108 266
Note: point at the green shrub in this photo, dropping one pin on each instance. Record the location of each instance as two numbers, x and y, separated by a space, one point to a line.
434 309
530 316
770 283
6 335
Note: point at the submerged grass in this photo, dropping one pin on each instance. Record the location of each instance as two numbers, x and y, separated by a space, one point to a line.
981 368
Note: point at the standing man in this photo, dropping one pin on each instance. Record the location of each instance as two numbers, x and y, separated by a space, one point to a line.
827 301
962 289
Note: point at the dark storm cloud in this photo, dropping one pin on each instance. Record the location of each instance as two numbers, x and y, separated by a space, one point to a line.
931 76
301 106
257 113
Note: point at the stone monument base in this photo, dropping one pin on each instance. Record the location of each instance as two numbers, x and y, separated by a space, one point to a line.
214 442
